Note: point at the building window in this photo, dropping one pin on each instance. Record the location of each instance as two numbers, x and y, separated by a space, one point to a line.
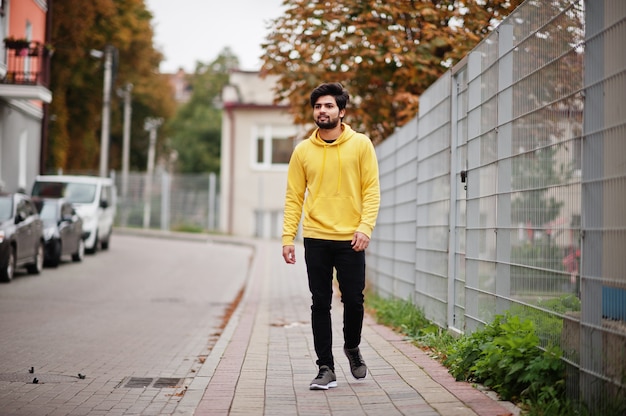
273 145
27 63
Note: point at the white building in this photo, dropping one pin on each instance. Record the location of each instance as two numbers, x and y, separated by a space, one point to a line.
258 137
24 75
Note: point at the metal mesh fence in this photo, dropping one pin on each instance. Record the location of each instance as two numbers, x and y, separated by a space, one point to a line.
179 202
506 193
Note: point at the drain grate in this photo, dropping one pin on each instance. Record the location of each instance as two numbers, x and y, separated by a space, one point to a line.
138 382
146 382
166 383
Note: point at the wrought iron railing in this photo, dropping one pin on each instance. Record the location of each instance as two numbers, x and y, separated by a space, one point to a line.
27 62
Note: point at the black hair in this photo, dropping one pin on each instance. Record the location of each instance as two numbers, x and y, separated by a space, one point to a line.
332 88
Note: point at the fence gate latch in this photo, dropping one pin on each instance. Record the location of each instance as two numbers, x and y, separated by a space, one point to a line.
464 178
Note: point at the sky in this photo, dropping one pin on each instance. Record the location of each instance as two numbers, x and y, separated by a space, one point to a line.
187 31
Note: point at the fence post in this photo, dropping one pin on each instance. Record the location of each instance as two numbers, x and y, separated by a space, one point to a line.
504 137
165 200
472 213
212 193
593 198
151 125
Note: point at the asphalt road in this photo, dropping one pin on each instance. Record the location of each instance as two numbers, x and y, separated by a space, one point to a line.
137 321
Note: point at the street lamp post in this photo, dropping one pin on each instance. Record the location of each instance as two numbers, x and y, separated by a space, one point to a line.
151 124
106 111
106 105
126 95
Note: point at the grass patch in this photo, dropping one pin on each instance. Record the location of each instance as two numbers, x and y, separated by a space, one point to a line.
187 228
405 318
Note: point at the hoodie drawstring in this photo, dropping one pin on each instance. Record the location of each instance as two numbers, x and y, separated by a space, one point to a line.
339 161
319 183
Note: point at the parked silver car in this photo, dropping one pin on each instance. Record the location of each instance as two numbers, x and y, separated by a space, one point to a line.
63 231
21 236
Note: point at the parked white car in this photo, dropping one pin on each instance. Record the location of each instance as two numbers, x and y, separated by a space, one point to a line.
94 199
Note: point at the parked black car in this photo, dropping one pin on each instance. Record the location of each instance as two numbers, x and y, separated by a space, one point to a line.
62 231
21 235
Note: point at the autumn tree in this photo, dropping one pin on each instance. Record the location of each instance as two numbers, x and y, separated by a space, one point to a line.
196 130
386 52
77 81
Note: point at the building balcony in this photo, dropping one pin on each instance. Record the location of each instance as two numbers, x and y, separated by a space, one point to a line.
27 71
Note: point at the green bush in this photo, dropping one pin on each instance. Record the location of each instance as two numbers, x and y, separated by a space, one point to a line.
403 316
548 326
504 355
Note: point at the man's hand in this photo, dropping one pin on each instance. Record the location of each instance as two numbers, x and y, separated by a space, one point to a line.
359 242
289 254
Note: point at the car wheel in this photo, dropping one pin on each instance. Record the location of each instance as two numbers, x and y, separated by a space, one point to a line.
93 249
104 244
55 255
37 266
80 252
6 273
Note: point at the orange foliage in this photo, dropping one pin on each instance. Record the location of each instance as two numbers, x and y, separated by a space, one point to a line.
77 79
386 52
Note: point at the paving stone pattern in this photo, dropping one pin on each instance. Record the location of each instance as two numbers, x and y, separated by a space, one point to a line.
269 361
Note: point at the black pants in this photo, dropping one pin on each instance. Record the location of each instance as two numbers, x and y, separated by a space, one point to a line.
321 257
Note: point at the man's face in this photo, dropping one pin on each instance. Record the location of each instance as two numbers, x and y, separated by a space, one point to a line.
326 113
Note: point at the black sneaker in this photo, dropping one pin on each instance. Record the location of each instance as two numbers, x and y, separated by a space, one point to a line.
357 365
325 379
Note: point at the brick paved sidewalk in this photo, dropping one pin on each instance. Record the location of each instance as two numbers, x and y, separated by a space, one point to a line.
265 360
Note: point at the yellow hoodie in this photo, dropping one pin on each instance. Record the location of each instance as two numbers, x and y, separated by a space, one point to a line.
340 180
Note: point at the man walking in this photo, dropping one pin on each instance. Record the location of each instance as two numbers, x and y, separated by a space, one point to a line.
333 176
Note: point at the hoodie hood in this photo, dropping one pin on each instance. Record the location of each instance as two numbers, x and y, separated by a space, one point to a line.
345 135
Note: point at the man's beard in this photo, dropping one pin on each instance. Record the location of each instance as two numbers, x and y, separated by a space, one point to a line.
327 125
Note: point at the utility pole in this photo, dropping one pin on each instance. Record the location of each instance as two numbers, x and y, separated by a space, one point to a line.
151 124
106 110
126 95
